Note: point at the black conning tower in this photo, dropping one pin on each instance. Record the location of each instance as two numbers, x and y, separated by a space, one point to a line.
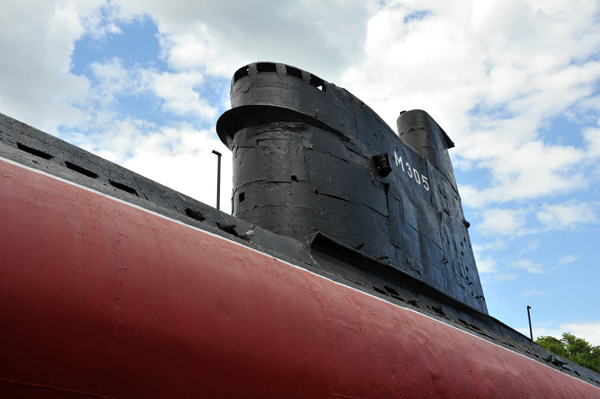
310 157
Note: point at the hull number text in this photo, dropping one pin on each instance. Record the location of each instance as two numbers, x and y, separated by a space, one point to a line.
412 172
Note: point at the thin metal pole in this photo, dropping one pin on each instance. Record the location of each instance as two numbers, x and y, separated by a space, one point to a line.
529 317
218 154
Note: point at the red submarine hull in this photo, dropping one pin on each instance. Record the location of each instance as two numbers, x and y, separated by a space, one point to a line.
103 299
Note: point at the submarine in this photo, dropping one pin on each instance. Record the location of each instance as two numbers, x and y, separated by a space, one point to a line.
345 270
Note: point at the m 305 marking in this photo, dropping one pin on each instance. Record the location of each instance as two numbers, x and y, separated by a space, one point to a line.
413 173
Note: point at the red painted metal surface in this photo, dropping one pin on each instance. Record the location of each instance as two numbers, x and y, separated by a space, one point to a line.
101 299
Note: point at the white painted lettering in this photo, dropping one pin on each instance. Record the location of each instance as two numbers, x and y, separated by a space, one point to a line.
412 173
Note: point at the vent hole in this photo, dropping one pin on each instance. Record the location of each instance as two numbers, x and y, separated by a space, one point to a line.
33 151
380 291
240 73
317 82
241 197
293 71
81 170
266 67
228 228
123 187
294 178
439 310
194 214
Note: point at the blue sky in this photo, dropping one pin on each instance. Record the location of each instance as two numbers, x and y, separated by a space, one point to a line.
515 84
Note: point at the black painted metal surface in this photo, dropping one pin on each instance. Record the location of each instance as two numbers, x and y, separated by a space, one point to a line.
309 157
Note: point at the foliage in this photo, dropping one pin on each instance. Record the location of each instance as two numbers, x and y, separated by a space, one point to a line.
577 350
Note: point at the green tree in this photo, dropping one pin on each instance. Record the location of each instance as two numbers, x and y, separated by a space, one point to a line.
577 350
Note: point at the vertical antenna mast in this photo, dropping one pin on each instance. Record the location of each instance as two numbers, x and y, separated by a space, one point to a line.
218 154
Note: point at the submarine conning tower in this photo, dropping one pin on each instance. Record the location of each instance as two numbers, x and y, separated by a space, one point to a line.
309 157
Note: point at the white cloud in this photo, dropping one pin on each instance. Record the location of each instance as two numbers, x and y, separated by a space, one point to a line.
37 40
113 79
179 92
177 156
533 293
567 215
486 265
220 37
187 166
566 259
527 171
592 138
505 277
503 221
491 73
529 266
197 49
100 25
519 222
175 93
112 138
528 246
590 331
497 244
